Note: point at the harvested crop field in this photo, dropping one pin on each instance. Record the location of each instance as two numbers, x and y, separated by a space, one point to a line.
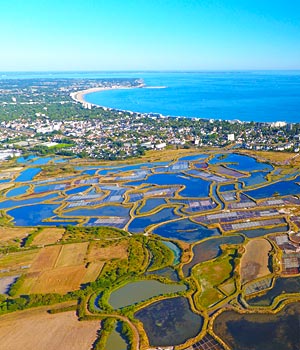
254 263
48 236
72 254
115 251
59 280
36 329
93 271
46 258
8 234
17 260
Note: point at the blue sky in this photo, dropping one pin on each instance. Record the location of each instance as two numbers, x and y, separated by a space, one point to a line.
149 34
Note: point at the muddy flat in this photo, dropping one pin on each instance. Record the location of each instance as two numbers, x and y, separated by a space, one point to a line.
254 263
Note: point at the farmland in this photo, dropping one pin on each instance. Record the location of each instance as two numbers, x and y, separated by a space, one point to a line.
48 236
59 331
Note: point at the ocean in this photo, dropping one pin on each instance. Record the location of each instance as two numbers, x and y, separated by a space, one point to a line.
246 96
264 96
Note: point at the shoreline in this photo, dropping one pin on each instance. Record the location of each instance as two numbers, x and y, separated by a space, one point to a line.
78 96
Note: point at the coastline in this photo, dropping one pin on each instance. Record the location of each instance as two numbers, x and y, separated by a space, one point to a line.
78 96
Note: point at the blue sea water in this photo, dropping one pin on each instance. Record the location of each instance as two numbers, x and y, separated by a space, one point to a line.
247 96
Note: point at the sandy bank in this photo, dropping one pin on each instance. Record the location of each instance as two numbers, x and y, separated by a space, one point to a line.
78 96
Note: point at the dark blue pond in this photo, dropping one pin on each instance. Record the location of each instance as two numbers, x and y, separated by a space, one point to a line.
264 231
195 187
224 188
185 230
77 190
4 180
108 210
140 224
151 203
60 160
42 161
243 163
258 331
169 322
255 178
28 174
282 188
90 171
32 215
138 166
24 160
11 203
282 285
49 188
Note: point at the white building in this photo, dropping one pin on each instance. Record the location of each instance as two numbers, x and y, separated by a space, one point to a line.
161 145
230 137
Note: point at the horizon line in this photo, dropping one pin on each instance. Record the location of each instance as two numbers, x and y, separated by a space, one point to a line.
148 70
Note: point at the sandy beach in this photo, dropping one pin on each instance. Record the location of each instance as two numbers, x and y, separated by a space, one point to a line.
78 96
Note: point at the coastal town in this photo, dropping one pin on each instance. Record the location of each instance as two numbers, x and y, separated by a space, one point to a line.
52 117
154 231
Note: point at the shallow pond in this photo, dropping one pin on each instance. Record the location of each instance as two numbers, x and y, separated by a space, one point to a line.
208 250
256 178
195 187
32 215
42 161
4 180
60 160
230 187
77 190
260 331
141 223
282 285
18 191
264 231
141 165
185 230
33 200
282 188
241 162
107 210
175 249
115 341
23 160
136 292
28 174
169 322
167 272
49 188
151 204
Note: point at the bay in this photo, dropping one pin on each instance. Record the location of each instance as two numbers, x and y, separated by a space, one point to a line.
246 96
